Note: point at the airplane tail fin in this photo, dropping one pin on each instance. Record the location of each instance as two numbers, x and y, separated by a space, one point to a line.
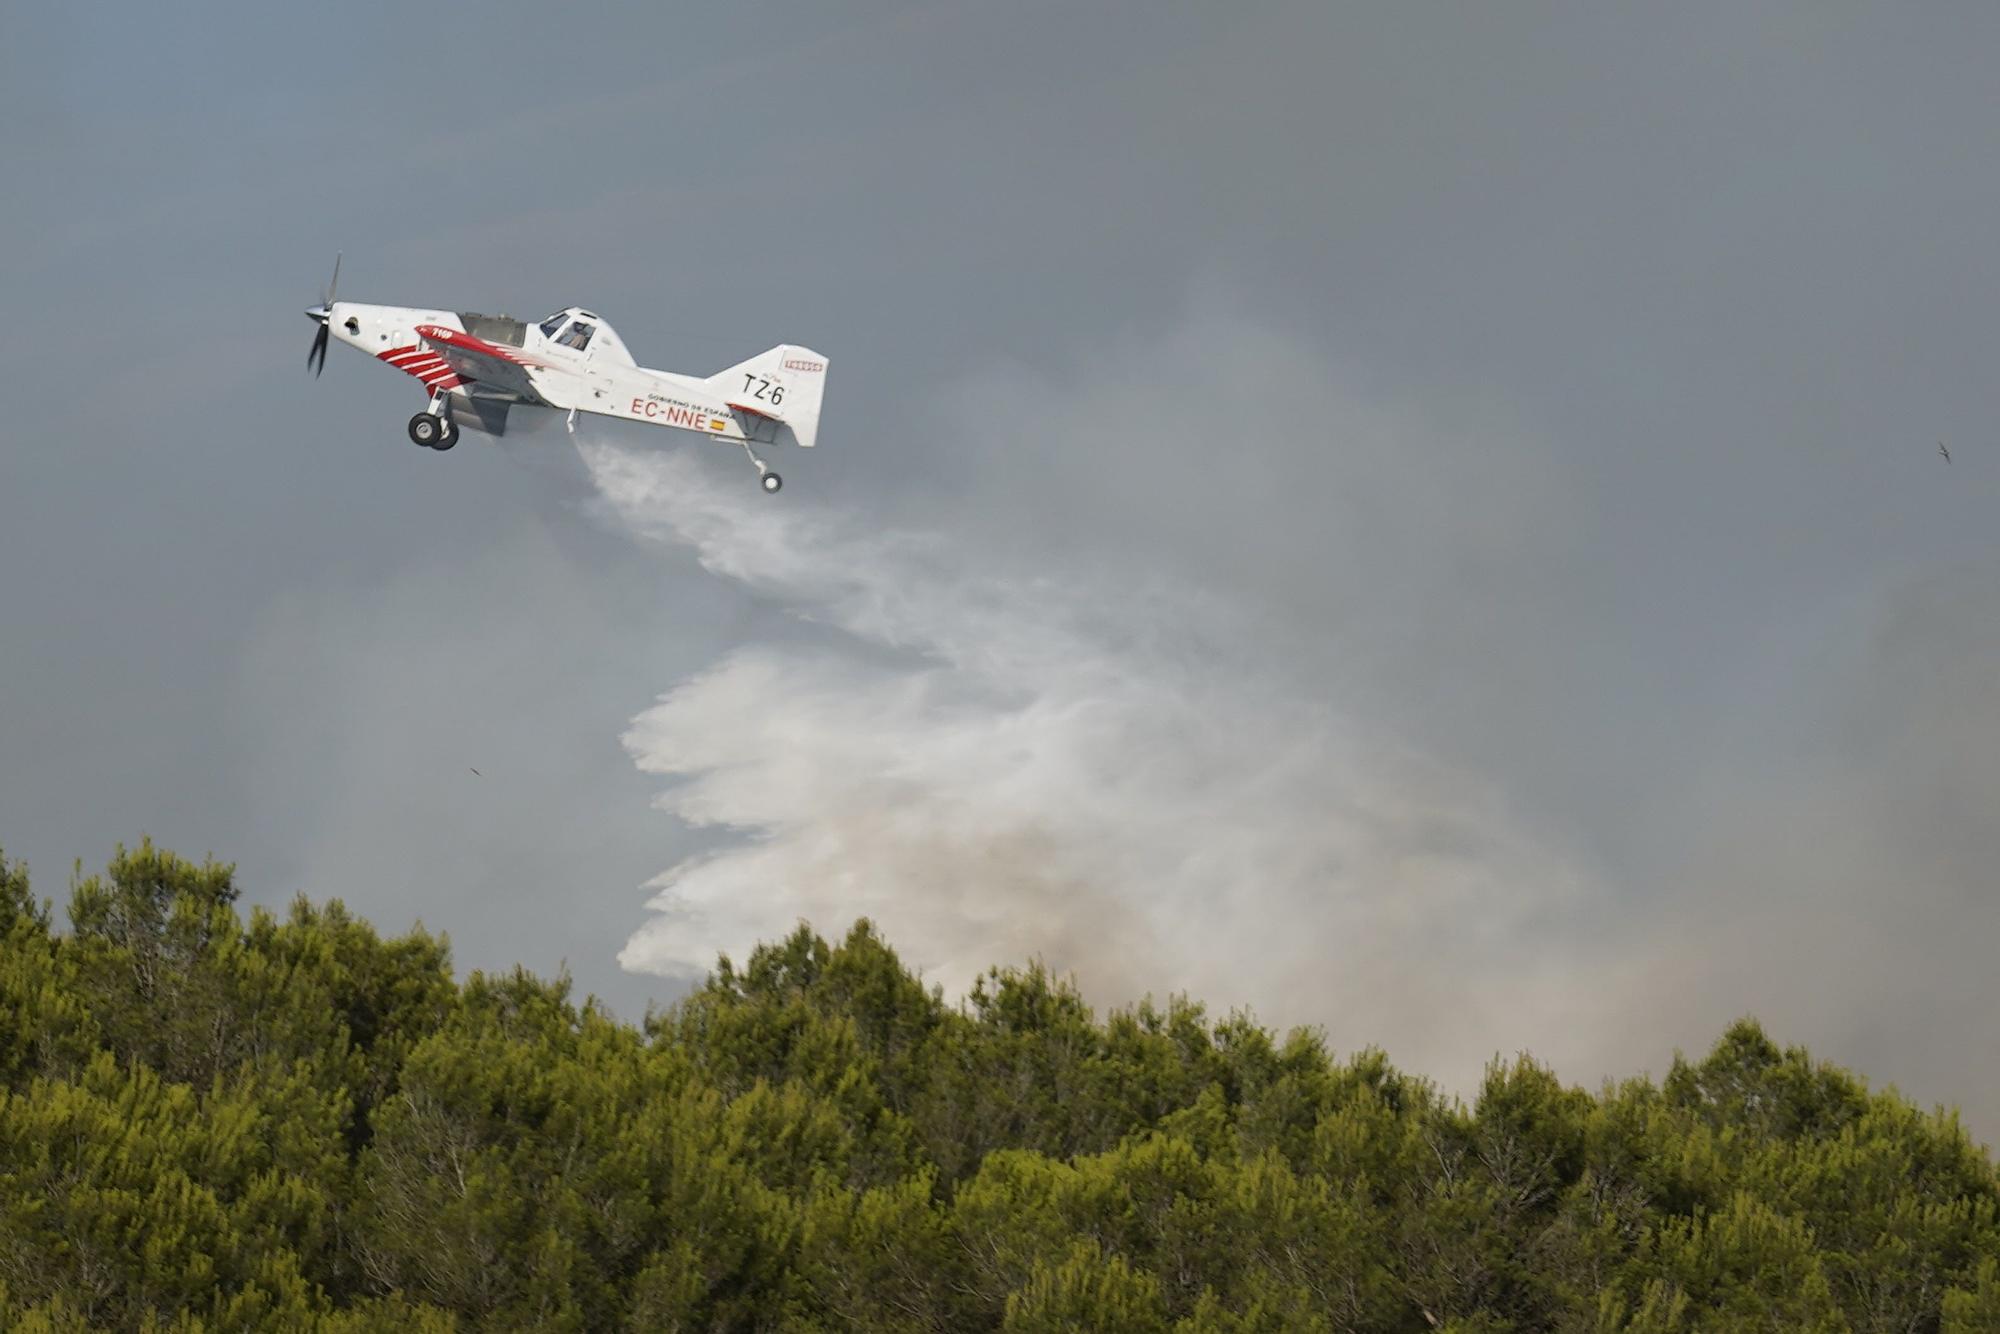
783 385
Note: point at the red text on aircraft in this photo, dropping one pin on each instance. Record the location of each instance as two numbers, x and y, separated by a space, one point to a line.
673 414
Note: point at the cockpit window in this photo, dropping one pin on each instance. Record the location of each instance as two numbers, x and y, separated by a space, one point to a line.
577 335
554 322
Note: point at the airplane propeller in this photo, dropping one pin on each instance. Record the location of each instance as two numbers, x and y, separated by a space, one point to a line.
323 314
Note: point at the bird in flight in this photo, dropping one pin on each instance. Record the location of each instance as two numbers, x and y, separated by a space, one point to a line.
475 772
1942 450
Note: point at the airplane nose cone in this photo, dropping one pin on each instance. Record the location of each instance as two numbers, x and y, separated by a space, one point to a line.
319 314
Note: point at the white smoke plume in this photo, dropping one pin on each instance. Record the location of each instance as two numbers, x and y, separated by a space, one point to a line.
996 762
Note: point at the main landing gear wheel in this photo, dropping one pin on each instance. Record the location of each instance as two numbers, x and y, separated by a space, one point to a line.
449 438
426 430
772 481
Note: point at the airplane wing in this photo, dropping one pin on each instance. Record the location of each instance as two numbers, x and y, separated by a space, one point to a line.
492 367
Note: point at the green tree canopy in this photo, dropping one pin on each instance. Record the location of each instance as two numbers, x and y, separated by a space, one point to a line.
209 1121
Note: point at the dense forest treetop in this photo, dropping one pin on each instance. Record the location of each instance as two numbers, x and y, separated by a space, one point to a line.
208 1122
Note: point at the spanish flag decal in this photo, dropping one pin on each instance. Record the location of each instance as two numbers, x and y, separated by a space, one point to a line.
717 424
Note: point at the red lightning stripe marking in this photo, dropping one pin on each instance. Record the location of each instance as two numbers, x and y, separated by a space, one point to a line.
424 364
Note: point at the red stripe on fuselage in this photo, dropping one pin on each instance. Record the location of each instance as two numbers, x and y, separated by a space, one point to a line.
424 364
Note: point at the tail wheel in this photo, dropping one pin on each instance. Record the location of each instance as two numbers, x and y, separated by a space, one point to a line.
425 429
772 481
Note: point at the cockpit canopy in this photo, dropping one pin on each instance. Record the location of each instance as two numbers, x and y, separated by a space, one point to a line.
580 331
565 328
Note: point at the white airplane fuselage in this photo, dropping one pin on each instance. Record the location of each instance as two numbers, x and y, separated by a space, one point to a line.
476 368
602 378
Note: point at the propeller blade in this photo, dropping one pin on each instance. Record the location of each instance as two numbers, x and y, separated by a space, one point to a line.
316 356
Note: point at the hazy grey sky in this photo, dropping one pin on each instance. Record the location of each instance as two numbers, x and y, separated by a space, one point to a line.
1425 520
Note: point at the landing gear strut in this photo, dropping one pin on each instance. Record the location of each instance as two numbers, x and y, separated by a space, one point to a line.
770 481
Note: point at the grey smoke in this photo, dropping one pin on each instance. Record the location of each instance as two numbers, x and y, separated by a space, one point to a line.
1093 707
997 756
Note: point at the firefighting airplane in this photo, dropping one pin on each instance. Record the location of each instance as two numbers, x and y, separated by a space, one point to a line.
476 367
